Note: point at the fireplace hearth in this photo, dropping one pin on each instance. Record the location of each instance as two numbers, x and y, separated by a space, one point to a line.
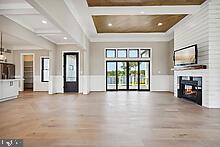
190 88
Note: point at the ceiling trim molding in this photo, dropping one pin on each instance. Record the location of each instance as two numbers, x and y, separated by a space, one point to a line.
132 37
146 10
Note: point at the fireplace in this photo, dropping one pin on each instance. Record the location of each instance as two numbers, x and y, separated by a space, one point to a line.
190 88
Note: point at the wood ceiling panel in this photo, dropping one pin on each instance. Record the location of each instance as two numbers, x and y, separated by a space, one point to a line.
135 23
98 3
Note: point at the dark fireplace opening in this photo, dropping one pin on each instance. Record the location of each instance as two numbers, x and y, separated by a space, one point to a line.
190 88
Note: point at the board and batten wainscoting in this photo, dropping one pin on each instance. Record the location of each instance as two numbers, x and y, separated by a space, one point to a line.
158 83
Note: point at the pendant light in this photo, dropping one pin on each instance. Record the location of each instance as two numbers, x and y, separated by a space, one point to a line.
2 57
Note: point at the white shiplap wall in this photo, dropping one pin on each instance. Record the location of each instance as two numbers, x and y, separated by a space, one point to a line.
193 29
203 29
214 53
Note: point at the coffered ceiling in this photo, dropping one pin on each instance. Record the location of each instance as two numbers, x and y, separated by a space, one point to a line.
135 23
21 12
97 3
100 20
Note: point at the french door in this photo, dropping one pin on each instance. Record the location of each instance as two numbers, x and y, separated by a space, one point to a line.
127 75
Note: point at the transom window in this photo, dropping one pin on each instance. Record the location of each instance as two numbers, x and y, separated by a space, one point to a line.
144 53
110 53
122 53
127 53
133 53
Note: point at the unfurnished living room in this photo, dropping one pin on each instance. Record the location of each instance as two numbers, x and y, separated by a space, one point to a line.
110 73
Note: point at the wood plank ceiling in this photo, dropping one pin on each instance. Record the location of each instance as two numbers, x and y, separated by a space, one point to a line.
135 23
97 3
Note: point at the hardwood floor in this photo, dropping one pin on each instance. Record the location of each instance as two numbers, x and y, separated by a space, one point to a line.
112 119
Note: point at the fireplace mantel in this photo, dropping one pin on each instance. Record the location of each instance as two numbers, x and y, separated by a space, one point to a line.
189 67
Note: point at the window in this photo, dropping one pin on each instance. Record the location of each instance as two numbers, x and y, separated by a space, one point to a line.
144 53
133 53
110 53
44 69
122 53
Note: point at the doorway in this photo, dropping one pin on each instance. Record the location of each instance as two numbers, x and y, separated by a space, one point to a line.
28 72
128 75
71 72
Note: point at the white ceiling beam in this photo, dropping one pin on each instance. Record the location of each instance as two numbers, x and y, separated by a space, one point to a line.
48 31
143 10
21 5
16 8
58 13
79 9
18 11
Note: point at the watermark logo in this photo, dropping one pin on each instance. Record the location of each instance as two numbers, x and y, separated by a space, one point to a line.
11 143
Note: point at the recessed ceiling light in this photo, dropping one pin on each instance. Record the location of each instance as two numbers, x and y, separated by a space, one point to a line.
65 38
44 21
110 24
160 24
142 12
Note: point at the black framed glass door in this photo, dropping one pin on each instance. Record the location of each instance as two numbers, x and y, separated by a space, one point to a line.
122 75
111 75
144 75
71 74
127 75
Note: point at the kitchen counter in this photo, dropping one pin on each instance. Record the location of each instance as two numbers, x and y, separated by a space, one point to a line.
9 89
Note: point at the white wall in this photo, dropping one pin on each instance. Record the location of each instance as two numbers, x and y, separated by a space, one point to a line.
214 53
38 85
57 77
203 28
161 64
193 29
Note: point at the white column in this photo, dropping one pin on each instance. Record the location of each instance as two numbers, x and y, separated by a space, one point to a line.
52 68
86 76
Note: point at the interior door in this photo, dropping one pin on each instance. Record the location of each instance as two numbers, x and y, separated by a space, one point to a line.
71 75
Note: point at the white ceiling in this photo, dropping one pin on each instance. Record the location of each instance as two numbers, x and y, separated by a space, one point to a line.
13 43
33 23
24 14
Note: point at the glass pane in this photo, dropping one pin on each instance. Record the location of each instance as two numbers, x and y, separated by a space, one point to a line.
122 53
111 75
133 75
133 53
145 53
122 78
46 75
110 53
71 68
46 63
144 75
